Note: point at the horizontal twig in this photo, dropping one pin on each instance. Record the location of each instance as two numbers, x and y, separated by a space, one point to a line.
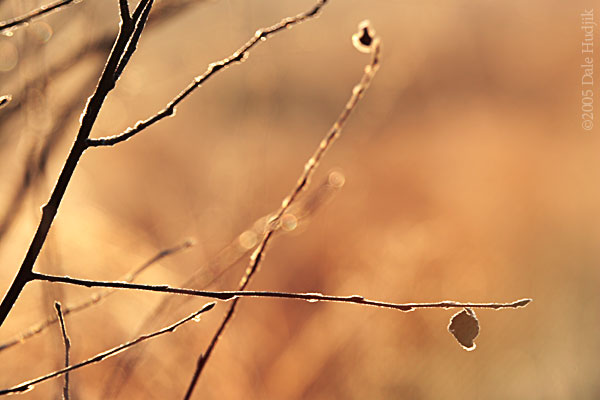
311 297
28 385
94 298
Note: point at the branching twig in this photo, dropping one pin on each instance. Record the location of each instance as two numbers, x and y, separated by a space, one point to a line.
28 385
161 13
238 56
94 299
43 10
140 16
105 85
309 168
67 343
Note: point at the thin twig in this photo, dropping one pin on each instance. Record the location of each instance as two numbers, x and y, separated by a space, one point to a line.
67 343
94 299
28 385
227 295
38 12
238 56
309 168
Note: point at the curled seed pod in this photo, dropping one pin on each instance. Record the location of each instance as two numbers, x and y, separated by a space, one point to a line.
464 326
4 100
364 38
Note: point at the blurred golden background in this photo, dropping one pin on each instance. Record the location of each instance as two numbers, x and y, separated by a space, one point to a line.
467 176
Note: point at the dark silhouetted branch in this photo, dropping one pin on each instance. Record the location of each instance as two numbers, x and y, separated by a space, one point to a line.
36 164
124 10
105 85
140 19
37 159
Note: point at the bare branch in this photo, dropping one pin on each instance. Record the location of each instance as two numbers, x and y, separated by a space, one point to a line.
162 12
309 168
43 10
49 211
67 343
37 159
140 21
28 385
235 294
94 299
124 11
238 56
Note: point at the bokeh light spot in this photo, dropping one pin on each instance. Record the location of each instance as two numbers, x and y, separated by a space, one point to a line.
248 239
9 56
289 222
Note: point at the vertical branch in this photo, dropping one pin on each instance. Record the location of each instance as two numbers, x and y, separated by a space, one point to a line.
106 83
67 343
374 47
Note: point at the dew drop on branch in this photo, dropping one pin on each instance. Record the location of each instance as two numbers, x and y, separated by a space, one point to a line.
197 318
313 299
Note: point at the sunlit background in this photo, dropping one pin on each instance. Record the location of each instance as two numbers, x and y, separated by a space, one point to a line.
464 174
